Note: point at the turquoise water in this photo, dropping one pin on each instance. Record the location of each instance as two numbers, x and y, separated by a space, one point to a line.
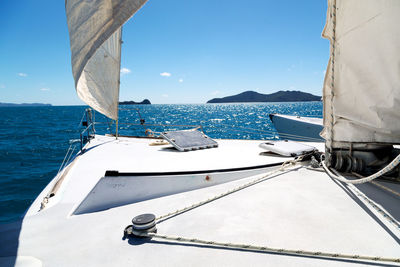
34 140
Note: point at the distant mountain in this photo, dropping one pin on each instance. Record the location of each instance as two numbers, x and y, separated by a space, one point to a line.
144 102
280 96
23 105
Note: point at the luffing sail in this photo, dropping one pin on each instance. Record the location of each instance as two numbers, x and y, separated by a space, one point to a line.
95 38
362 81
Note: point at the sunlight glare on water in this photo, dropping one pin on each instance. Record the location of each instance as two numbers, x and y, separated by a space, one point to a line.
34 140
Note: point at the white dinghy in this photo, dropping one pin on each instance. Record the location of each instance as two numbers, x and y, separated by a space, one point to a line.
297 127
124 201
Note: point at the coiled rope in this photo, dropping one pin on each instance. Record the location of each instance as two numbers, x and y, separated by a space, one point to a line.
339 177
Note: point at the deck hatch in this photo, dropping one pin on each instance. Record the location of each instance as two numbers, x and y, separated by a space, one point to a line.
187 140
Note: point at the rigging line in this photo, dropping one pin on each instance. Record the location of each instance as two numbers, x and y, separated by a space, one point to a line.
282 136
72 152
351 184
247 128
80 123
268 249
307 116
232 127
330 140
264 133
295 135
271 132
129 231
300 138
66 154
171 125
283 167
376 207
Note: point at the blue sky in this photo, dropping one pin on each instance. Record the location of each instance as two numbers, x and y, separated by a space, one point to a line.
174 51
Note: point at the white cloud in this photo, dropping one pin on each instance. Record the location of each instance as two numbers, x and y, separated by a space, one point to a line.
164 95
215 92
21 74
2 86
180 80
44 89
125 71
165 74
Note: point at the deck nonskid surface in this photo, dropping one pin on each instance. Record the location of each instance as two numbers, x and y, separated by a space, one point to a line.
136 155
301 209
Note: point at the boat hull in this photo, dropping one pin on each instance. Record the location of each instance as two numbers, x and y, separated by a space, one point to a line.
297 128
117 189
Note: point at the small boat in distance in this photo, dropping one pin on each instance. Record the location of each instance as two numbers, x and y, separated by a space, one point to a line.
297 128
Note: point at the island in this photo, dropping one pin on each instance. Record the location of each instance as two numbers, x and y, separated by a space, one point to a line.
24 105
280 96
144 102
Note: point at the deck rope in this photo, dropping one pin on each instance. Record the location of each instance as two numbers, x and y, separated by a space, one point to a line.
282 168
351 183
250 247
376 206
269 249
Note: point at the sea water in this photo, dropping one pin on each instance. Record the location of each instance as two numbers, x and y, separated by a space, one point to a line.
34 140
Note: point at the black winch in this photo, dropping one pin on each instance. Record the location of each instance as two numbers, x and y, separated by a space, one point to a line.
142 225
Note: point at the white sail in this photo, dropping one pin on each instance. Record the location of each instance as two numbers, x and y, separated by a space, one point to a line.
362 81
95 38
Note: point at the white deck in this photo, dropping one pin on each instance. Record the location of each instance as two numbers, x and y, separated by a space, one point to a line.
136 155
302 209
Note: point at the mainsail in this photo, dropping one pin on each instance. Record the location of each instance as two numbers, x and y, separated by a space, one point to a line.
95 38
362 81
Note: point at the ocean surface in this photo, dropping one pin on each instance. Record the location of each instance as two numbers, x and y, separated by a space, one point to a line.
34 140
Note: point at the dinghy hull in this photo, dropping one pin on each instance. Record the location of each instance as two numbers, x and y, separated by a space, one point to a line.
297 128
